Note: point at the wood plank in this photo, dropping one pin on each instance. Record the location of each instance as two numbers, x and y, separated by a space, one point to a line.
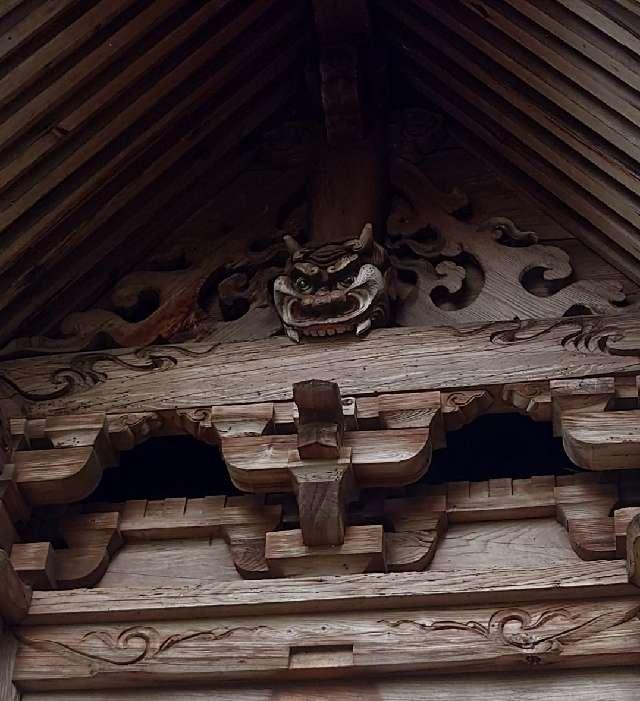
352 643
619 684
62 45
8 6
602 440
534 120
272 73
599 17
586 74
37 20
362 550
322 594
15 596
145 223
134 111
8 649
84 72
146 565
549 201
601 118
389 360
584 37
493 120
534 543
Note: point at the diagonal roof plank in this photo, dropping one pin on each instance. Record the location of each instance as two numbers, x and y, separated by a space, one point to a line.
112 113
111 110
530 82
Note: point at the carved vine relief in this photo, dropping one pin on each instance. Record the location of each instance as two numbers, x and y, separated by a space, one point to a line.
428 268
544 633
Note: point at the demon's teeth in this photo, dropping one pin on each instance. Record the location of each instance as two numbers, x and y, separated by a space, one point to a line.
363 327
293 334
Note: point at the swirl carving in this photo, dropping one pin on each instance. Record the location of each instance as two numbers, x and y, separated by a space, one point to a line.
517 628
84 372
453 272
584 335
136 643
538 635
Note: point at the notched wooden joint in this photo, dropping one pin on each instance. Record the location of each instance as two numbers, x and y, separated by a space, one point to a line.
633 550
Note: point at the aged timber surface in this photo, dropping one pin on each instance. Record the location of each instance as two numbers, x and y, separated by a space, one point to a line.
390 360
325 594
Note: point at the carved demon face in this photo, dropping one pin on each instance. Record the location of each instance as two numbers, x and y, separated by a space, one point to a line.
334 288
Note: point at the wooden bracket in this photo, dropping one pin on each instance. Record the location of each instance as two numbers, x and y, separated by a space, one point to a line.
532 399
60 459
584 507
362 550
91 539
15 596
320 419
320 468
594 394
418 525
242 521
633 550
323 490
463 407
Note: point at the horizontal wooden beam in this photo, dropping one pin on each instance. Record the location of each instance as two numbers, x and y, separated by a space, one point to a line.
321 594
389 360
452 638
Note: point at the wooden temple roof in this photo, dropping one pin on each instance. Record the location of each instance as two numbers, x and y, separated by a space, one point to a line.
120 120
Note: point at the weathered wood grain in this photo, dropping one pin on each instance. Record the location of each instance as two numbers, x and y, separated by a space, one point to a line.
349 643
392 360
602 440
14 594
8 648
615 684
355 592
148 565
531 543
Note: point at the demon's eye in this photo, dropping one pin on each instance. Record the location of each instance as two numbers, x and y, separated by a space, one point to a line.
347 281
303 285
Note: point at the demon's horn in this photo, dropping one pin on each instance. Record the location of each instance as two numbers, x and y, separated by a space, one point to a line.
366 237
292 245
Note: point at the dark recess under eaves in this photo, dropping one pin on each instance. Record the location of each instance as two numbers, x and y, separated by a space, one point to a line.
491 447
